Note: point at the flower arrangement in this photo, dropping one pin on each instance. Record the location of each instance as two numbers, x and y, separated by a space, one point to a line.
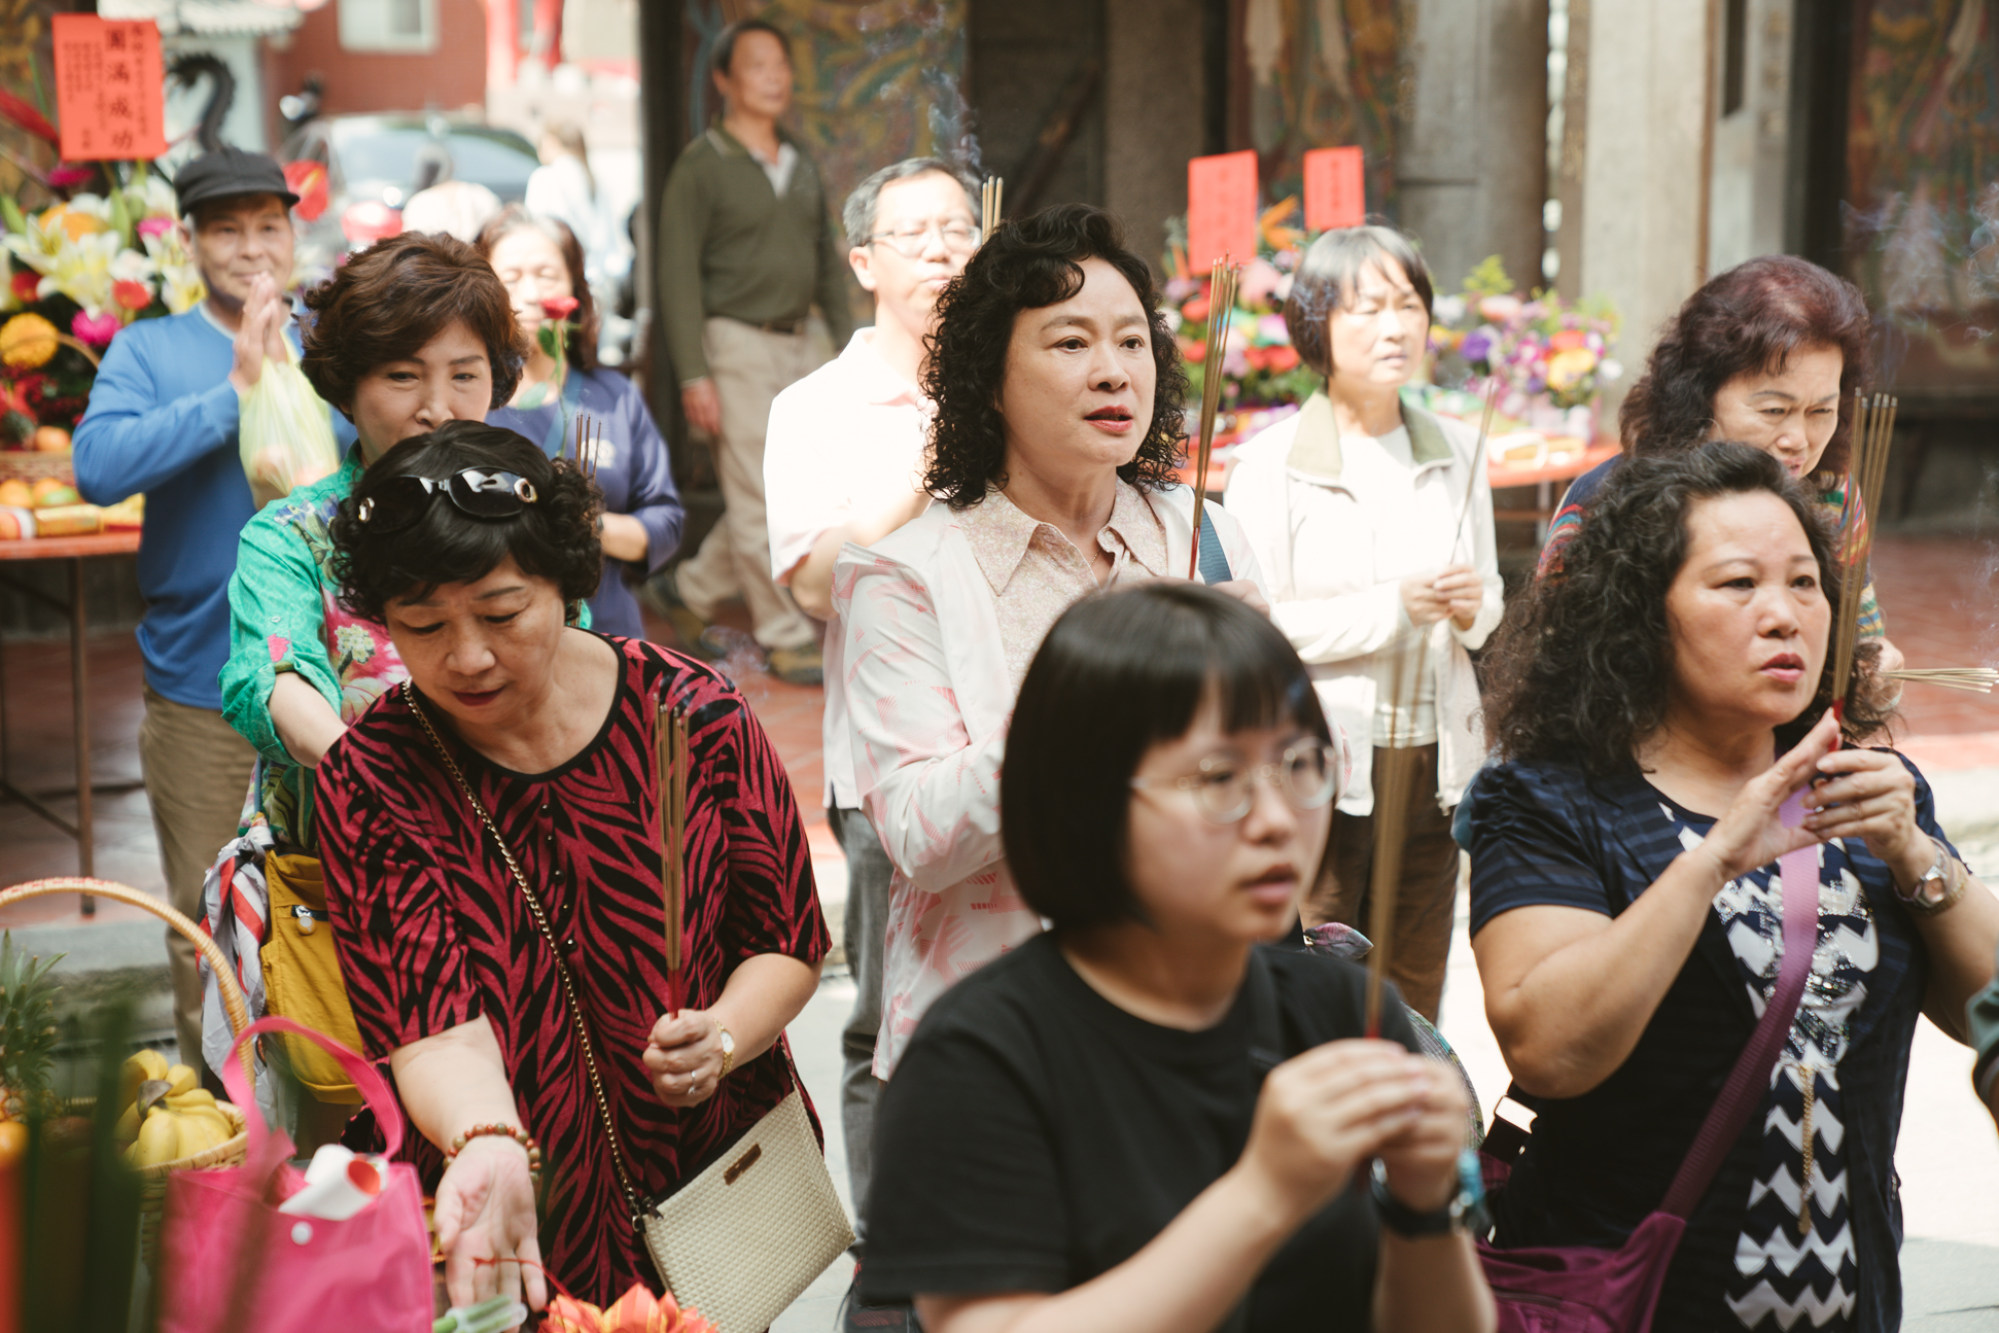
1261 367
637 1311
71 276
1536 346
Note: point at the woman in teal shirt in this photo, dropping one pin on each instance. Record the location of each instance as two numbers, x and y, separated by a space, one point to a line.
411 333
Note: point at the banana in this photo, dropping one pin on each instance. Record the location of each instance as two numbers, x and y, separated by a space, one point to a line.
200 1129
128 1125
136 1070
181 1101
159 1140
180 1078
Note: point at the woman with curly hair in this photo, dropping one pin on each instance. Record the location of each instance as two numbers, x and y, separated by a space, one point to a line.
1058 421
519 740
410 334
1655 702
1769 354
1353 507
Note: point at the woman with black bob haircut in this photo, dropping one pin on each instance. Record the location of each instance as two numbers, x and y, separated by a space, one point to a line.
1656 702
1058 395
491 846
1089 1132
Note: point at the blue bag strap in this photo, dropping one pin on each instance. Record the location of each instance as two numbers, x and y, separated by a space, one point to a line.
1214 562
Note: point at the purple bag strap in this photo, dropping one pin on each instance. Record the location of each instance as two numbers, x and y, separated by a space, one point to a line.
1750 1078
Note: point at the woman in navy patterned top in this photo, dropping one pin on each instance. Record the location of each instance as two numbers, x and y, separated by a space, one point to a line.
467 544
1655 702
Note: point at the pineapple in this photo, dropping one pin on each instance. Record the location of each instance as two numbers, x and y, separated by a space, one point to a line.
27 1029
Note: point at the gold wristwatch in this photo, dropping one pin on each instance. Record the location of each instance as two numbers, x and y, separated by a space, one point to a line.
728 1052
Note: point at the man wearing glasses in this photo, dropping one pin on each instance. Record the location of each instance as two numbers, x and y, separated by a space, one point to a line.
745 251
844 463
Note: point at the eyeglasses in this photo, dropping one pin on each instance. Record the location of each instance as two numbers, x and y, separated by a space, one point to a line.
1304 776
959 238
475 491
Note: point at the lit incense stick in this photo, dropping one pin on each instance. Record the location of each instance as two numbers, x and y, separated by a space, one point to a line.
1477 463
1977 680
1221 304
1867 468
1394 772
991 192
670 763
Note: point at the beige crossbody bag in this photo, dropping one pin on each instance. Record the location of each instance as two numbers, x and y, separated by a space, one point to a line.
741 1241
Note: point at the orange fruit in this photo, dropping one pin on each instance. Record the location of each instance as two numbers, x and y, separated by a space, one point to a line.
16 492
52 491
10 526
51 439
13 1141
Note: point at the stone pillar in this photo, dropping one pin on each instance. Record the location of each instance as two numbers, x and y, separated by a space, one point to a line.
1473 169
1751 138
1643 236
1154 114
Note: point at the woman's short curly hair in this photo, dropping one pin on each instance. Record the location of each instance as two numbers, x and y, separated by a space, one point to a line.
1751 319
385 303
1029 265
554 538
1581 668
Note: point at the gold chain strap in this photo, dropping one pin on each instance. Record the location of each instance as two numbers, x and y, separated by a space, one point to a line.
561 968
1805 1141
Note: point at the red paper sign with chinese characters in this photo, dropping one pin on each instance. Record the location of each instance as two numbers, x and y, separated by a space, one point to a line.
110 87
1221 209
1335 189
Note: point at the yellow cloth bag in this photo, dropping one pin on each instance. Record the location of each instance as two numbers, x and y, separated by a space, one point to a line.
302 978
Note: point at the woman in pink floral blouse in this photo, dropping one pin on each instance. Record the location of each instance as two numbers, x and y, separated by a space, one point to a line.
1058 395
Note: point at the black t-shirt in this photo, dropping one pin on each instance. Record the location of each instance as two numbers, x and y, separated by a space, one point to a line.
1036 1136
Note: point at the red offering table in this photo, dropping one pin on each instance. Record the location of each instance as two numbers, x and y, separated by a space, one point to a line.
75 550
1542 477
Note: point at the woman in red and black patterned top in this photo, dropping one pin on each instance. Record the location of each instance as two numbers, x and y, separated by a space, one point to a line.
468 543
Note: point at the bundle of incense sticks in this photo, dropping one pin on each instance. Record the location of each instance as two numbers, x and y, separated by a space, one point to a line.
990 195
1978 680
1221 304
589 445
1477 464
1866 469
670 764
1394 772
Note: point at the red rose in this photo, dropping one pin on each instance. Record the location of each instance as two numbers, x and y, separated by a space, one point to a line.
559 307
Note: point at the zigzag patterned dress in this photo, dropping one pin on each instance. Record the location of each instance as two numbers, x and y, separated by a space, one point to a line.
433 932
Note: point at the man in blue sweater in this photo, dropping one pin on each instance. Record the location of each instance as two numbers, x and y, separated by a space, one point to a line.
162 419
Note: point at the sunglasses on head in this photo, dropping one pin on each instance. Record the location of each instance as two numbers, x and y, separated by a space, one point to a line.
476 491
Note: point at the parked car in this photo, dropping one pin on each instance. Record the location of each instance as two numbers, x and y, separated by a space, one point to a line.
374 163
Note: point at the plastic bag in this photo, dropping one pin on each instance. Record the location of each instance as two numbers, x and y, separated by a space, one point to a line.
285 434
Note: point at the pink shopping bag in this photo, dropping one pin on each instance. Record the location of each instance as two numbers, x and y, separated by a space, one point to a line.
229 1260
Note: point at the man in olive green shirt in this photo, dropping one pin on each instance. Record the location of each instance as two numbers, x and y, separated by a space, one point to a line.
746 248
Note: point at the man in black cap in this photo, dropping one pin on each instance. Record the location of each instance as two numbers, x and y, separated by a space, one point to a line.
162 419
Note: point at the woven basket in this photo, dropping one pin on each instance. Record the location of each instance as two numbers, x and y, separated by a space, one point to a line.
31 465
231 1151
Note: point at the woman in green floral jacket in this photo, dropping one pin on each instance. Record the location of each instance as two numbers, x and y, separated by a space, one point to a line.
411 333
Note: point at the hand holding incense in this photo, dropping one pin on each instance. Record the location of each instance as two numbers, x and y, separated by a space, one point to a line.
1221 304
670 765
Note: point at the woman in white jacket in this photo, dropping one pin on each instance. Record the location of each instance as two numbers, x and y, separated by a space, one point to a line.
1353 508
1058 393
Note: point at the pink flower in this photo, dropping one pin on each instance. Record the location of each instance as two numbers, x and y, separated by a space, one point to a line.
97 330
1259 279
155 226
67 174
559 307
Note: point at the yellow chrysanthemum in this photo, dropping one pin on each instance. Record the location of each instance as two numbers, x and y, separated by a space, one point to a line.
1566 369
76 222
27 342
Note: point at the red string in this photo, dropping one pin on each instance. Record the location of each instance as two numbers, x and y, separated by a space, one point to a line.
552 1279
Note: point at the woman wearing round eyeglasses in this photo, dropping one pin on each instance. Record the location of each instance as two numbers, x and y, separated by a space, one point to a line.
519 740
1142 1119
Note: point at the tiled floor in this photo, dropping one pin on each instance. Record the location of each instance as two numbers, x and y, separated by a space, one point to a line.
1938 594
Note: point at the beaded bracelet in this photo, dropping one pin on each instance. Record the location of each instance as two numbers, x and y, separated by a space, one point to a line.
498 1130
